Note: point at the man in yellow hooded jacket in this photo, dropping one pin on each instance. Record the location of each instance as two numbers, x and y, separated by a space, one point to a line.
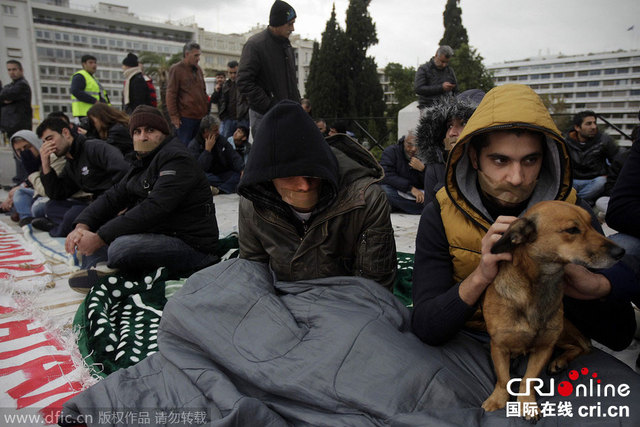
509 157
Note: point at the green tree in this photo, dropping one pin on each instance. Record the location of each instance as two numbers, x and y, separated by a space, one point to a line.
365 91
455 34
557 106
157 67
401 81
328 80
470 71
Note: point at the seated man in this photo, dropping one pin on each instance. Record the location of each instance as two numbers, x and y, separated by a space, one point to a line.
311 207
92 166
169 218
403 180
438 130
240 142
591 152
492 177
25 145
216 157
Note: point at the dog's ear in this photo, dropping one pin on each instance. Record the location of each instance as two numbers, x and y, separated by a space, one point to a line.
522 230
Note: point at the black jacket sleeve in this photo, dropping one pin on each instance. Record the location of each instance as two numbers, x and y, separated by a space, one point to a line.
389 162
19 91
59 187
624 206
138 92
438 311
247 79
167 194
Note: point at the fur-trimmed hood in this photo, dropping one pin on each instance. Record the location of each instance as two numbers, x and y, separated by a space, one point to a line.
432 126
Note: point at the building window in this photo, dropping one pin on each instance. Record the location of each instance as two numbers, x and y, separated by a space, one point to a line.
622 70
583 73
568 84
8 10
594 83
14 53
594 72
523 77
45 89
557 75
11 32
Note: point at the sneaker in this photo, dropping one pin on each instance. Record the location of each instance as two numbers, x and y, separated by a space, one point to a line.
15 217
43 224
82 281
24 221
215 190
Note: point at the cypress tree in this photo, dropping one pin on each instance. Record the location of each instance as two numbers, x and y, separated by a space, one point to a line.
365 90
455 34
327 81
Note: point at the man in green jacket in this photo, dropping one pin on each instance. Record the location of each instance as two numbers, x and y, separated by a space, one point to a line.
312 207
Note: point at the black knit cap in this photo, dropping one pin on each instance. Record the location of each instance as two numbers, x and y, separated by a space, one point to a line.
281 13
131 60
145 115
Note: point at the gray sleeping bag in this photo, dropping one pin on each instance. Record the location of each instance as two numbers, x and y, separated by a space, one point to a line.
238 348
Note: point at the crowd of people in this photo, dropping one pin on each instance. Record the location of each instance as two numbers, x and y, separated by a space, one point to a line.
131 190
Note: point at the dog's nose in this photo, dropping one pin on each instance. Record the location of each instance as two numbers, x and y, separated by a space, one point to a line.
616 252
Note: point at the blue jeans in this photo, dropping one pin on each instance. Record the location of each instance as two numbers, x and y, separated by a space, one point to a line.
590 189
188 129
226 181
400 203
63 213
228 127
22 201
146 252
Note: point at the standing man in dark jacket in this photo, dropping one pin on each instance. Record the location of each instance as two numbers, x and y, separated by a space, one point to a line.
590 151
92 166
403 180
233 109
138 87
15 109
169 217
187 93
267 71
311 207
217 158
435 78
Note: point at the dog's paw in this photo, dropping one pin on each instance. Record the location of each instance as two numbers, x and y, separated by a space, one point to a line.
529 409
557 365
497 400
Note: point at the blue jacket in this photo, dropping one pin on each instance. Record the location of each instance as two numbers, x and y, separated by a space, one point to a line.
397 172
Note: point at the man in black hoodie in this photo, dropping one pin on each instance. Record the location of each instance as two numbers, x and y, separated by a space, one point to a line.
169 217
312 207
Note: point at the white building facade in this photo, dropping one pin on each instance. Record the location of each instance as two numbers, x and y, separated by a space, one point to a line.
607 83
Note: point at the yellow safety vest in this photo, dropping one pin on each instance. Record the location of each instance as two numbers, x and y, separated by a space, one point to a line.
79 108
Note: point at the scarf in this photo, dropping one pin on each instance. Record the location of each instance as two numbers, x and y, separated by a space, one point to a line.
128 74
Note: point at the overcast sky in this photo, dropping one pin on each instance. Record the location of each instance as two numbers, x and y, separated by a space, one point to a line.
409 30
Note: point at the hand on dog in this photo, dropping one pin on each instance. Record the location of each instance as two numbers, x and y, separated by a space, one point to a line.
472 287
580 283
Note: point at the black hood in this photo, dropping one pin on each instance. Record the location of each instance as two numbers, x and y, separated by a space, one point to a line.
432 127
288 143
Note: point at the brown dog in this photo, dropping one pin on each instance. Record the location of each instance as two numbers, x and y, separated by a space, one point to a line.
523 307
